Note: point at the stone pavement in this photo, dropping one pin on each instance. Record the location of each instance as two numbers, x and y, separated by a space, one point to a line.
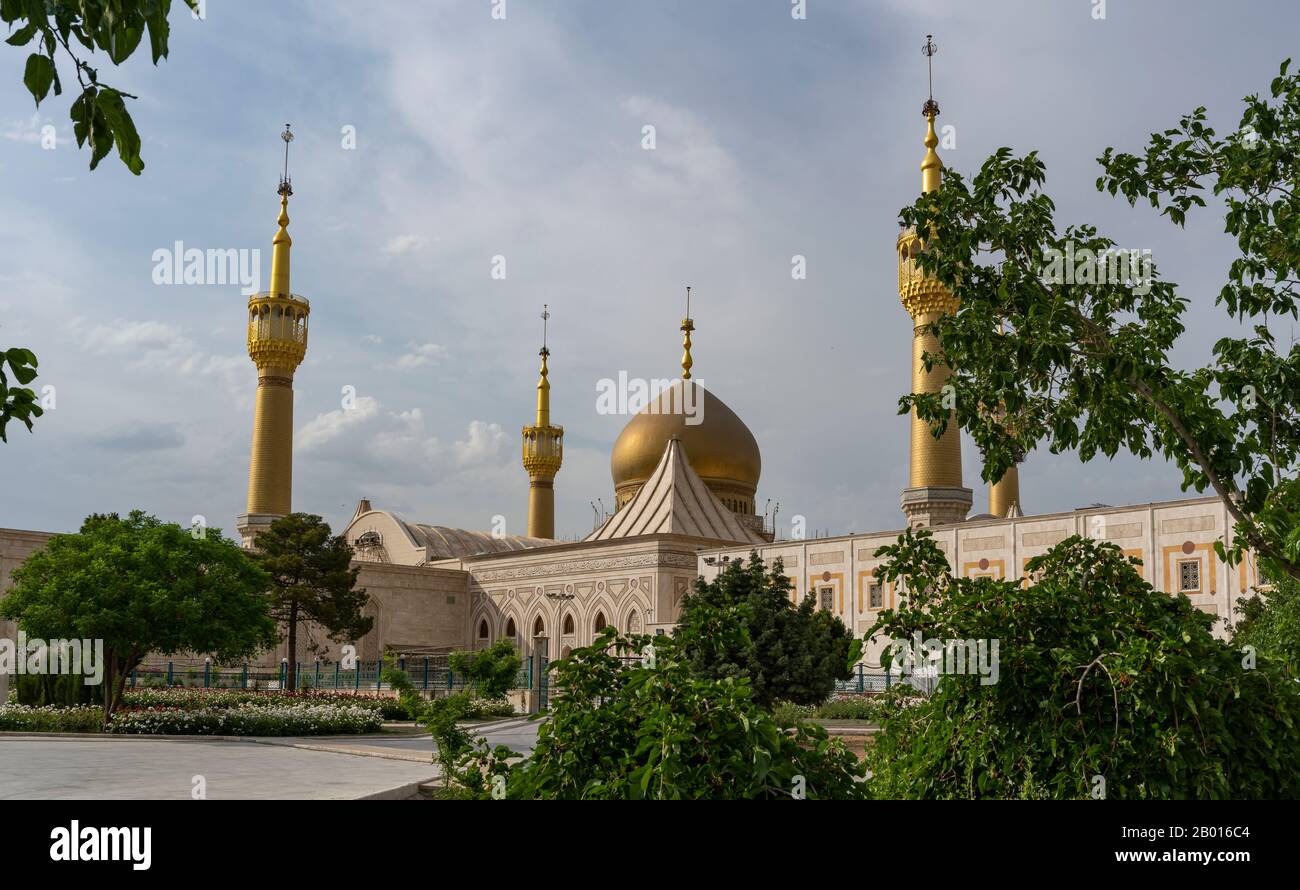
148 768
55 767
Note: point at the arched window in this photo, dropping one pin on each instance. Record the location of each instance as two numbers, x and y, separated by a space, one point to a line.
600 623
483 629
510 628
568 624
633 622
539 627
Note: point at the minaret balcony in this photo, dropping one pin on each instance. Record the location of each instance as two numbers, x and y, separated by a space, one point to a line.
543 450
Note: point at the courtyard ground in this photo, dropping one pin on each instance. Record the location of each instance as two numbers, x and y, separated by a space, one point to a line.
154 768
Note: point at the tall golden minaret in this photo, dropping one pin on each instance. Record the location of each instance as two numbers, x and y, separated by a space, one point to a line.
935 494
1004 495
277 344
543 453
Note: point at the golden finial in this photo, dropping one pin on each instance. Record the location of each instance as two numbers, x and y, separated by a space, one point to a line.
688 325
281 243
543 383
931 167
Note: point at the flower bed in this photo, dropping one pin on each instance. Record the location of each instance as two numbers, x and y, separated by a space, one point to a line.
190 698
251 719
49 718
263 718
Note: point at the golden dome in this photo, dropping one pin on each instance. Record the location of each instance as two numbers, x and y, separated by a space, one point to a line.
721 449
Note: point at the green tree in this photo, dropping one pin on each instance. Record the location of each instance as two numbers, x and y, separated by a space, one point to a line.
1059 339
453 744
312 579
1104 685
99 115
1270 621
493 670
142 586
17 402
787 652
656 730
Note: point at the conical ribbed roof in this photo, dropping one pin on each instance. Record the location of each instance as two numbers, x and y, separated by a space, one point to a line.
674 500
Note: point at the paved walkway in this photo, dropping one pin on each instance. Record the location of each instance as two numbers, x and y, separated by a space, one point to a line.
161 769
150 768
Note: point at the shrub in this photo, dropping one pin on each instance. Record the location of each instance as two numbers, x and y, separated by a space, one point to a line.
202 699
50 718
441 717
251 719
488 708
1100 675
658 731
849 708
787 653
493 670
1270 621
64 690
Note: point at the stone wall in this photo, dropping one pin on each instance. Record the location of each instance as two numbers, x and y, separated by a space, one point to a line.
1164 536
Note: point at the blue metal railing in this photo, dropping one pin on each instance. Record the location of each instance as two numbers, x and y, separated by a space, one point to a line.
424 673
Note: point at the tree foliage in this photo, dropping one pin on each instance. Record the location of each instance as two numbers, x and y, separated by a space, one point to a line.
1270 622
493 670
17 401
142 586
114 27
1105 686
1082 360
787 652
656 730
312 579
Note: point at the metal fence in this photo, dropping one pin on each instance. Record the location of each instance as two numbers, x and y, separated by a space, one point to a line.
865 681
425 673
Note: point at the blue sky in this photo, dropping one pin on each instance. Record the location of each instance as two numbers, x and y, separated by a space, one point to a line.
478 137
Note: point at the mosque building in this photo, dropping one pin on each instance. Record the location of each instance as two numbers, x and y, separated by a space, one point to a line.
684 488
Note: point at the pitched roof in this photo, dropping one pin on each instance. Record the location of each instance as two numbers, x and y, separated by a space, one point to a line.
674 500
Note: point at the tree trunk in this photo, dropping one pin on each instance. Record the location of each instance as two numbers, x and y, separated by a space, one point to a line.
291 668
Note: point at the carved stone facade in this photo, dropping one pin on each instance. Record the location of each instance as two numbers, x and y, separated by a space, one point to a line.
1173 539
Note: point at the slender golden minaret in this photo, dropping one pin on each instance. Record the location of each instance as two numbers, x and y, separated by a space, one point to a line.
1004 495
935 494
543 453
277 344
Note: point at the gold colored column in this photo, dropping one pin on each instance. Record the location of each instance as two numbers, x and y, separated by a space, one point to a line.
277 344
1004 495
543 452
935 494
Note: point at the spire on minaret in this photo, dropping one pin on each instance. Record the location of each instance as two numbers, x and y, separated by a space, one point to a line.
1004 495
688 325
281 243
543 384
543 451
931 167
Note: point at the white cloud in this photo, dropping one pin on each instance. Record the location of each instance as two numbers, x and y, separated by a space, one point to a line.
330 425
401 244
417 356
481 445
